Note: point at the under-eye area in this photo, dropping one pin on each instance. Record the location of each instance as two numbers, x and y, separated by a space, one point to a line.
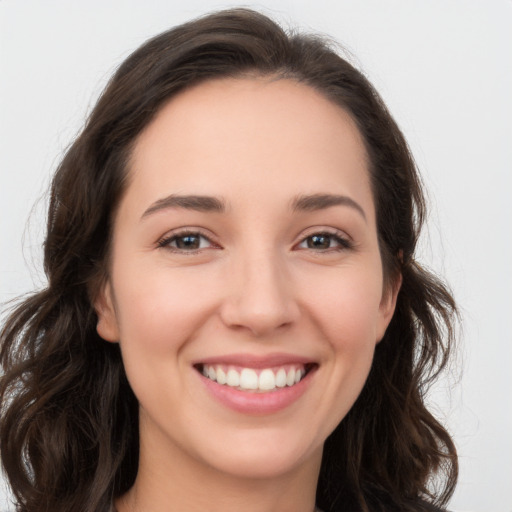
252 379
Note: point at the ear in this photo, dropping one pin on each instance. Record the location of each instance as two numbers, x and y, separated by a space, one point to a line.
107 326
387 306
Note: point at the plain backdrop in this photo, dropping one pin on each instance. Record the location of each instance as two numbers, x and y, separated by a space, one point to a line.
444 67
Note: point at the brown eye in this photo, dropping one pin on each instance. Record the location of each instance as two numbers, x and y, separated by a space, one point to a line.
187 242
319 242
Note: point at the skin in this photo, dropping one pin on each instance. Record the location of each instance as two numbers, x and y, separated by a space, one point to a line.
256 285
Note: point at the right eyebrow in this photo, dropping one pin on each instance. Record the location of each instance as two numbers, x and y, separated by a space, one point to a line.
188 202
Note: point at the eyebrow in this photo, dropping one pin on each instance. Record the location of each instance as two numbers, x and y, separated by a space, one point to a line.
188 202
304 203
316 202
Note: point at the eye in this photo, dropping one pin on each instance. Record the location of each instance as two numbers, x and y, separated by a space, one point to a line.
186 241
325 241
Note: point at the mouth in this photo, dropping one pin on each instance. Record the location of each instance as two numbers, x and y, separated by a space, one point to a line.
256 380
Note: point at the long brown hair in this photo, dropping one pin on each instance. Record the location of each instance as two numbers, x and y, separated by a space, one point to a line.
69 420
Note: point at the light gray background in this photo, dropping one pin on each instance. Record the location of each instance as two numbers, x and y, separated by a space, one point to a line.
445 69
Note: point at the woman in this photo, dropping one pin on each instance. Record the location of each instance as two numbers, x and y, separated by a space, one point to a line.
234 317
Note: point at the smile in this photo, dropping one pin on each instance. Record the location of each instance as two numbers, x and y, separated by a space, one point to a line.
250 379
256 385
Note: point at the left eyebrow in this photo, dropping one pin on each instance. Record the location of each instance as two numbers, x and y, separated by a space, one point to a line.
316 202
188 202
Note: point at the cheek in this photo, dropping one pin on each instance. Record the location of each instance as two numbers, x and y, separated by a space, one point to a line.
158 314
348 314
345 305
160 310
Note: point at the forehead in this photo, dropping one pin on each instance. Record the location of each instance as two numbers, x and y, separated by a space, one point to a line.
256 137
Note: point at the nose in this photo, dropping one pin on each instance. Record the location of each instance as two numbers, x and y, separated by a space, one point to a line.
259 296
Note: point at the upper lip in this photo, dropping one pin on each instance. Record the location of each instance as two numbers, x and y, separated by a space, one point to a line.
255 361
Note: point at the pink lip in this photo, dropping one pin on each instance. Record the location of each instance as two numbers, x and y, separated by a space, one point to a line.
257 403
255 361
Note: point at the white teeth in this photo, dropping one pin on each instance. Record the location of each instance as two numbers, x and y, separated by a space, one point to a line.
233 378
281 378
221 376
249 379
267 380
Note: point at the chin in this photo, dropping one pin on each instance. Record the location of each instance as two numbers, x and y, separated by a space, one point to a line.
264 457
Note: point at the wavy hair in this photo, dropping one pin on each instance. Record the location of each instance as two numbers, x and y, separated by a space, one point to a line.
69 420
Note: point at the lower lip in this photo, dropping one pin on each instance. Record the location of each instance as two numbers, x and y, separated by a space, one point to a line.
258 403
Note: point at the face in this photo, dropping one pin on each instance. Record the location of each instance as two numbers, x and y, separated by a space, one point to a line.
246 284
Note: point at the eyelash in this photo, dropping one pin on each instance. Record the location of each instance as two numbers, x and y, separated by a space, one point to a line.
337 237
